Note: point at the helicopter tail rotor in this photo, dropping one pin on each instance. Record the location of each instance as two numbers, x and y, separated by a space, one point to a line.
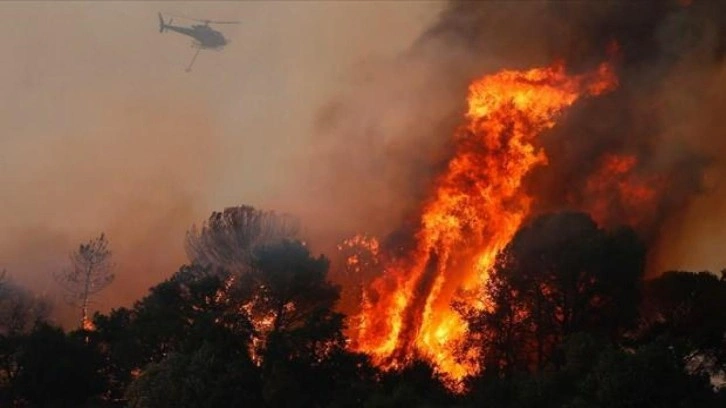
162 26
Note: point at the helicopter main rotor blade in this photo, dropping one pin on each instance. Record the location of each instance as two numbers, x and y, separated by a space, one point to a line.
184 17
205 21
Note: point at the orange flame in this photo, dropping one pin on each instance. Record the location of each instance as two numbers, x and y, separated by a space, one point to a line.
87 324
618 192
475 208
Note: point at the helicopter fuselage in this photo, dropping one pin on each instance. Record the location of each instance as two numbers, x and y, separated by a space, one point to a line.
204 36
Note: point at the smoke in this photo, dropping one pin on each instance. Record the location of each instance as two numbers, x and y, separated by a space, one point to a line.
135 171
376 147
107 133
383 140
103 131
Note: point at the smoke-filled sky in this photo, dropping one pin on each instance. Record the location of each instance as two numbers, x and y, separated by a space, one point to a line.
670 62
339 112
103 130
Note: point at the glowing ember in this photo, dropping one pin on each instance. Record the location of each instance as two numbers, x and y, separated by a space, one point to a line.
361 254
87 324
475 208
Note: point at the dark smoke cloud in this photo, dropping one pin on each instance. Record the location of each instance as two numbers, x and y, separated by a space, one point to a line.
389 136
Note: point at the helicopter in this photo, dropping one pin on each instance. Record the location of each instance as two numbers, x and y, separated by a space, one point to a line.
204 36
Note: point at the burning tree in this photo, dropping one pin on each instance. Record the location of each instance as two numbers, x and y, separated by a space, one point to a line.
91 271
559 275
475 208
227 238
260 334
291 302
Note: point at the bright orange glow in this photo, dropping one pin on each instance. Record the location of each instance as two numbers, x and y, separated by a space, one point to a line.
87 324
360 253
621 193
474 209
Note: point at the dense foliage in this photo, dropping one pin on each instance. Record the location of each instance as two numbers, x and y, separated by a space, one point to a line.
572 323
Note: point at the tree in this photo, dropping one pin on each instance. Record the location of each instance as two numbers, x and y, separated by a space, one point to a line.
688 310
90 272
189 310
123 348
596 373
559 275
289 299
55 369
267 334
416 385
228 238
251 294
20 309
297 331
211 376
651 375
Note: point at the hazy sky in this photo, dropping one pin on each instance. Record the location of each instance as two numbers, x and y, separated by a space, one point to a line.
103 130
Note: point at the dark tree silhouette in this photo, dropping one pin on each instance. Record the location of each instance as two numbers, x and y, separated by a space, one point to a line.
596 373
291 302
90 272
20 309
178 316
559 275
55 369
651 375
275 323
214 375
560 329
688 311
297 332
228 238
416 385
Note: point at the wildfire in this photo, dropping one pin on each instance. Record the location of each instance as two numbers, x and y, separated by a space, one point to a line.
621 193
87 324
474 209
361 254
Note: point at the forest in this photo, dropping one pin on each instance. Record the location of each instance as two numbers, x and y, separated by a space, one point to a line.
570 320
496 204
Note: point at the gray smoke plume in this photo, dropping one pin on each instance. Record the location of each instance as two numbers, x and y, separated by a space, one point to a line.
382 144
